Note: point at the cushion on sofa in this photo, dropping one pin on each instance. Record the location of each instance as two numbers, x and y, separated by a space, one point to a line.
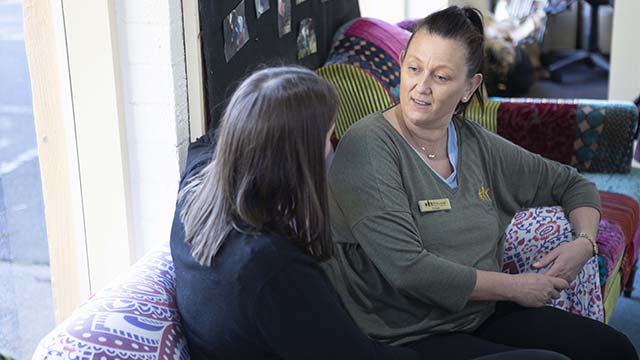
364 66
624 211
547 129
602 137
135 317
486 116
611 244
359 92
533 233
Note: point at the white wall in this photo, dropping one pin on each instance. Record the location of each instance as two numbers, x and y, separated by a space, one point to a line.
482 5
395 11
156 112
624 77
390 11
421 8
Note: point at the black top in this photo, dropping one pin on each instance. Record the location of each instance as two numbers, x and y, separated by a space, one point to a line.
263 298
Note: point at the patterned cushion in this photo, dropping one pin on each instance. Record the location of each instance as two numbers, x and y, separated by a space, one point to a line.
134 318
535 232
390 38
547 129
624 210
363 54
363 65
602 140
611 243
359 92
608 135
487 116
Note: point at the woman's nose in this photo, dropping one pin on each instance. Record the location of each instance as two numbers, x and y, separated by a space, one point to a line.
424 85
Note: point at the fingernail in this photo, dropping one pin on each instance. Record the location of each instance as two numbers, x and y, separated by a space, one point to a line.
536 264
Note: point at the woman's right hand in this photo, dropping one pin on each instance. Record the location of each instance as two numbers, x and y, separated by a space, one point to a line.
536 290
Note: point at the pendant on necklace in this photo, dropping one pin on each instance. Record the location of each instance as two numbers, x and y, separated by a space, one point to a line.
430 156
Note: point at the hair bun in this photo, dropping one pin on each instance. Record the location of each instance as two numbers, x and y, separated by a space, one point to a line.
475 16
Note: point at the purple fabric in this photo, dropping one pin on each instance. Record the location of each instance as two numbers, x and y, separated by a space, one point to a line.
408 24
134 318
637 154
384 35
610 243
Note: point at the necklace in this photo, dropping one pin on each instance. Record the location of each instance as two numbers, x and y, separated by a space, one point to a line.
429 155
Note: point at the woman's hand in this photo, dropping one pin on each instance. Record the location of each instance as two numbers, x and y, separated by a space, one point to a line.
536 290
568 259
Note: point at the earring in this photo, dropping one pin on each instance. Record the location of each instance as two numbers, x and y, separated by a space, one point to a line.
464 99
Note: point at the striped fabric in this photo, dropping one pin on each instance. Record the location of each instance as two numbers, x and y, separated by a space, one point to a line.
359 92
487 118
368 57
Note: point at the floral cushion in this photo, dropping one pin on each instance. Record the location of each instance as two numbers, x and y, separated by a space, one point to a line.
134 318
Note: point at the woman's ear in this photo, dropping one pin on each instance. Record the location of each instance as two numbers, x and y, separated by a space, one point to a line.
474 83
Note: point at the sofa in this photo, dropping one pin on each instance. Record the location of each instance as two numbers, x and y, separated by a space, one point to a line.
136 316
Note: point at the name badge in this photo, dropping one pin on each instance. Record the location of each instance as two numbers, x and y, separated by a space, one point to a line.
434 205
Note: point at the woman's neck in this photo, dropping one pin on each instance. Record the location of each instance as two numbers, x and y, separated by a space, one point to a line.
433 139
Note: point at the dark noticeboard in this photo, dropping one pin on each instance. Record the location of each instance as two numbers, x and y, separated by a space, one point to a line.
264 45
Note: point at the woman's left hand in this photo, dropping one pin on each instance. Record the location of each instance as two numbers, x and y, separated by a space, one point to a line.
568 259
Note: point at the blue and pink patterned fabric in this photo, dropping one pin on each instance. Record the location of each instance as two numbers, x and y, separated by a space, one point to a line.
534 233
546 129
134 318
611 246
591 135
364 66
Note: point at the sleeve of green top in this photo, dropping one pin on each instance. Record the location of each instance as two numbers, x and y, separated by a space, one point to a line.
367 186
524 179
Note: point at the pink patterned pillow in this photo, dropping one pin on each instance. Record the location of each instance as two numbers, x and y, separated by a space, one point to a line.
134 318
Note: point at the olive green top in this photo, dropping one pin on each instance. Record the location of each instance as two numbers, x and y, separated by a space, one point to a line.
404 274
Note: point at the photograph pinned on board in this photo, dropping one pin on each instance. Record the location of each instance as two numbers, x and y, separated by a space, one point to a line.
261 7
284 17
236 33
307 43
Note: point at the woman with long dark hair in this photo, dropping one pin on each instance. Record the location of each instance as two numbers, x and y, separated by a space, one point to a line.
252 225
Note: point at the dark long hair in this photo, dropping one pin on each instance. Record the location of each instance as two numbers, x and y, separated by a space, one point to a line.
464 25
268 172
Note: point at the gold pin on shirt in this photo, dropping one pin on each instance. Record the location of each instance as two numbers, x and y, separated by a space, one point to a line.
434 205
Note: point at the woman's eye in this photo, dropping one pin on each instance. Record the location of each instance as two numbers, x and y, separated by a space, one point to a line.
413 68
441 78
